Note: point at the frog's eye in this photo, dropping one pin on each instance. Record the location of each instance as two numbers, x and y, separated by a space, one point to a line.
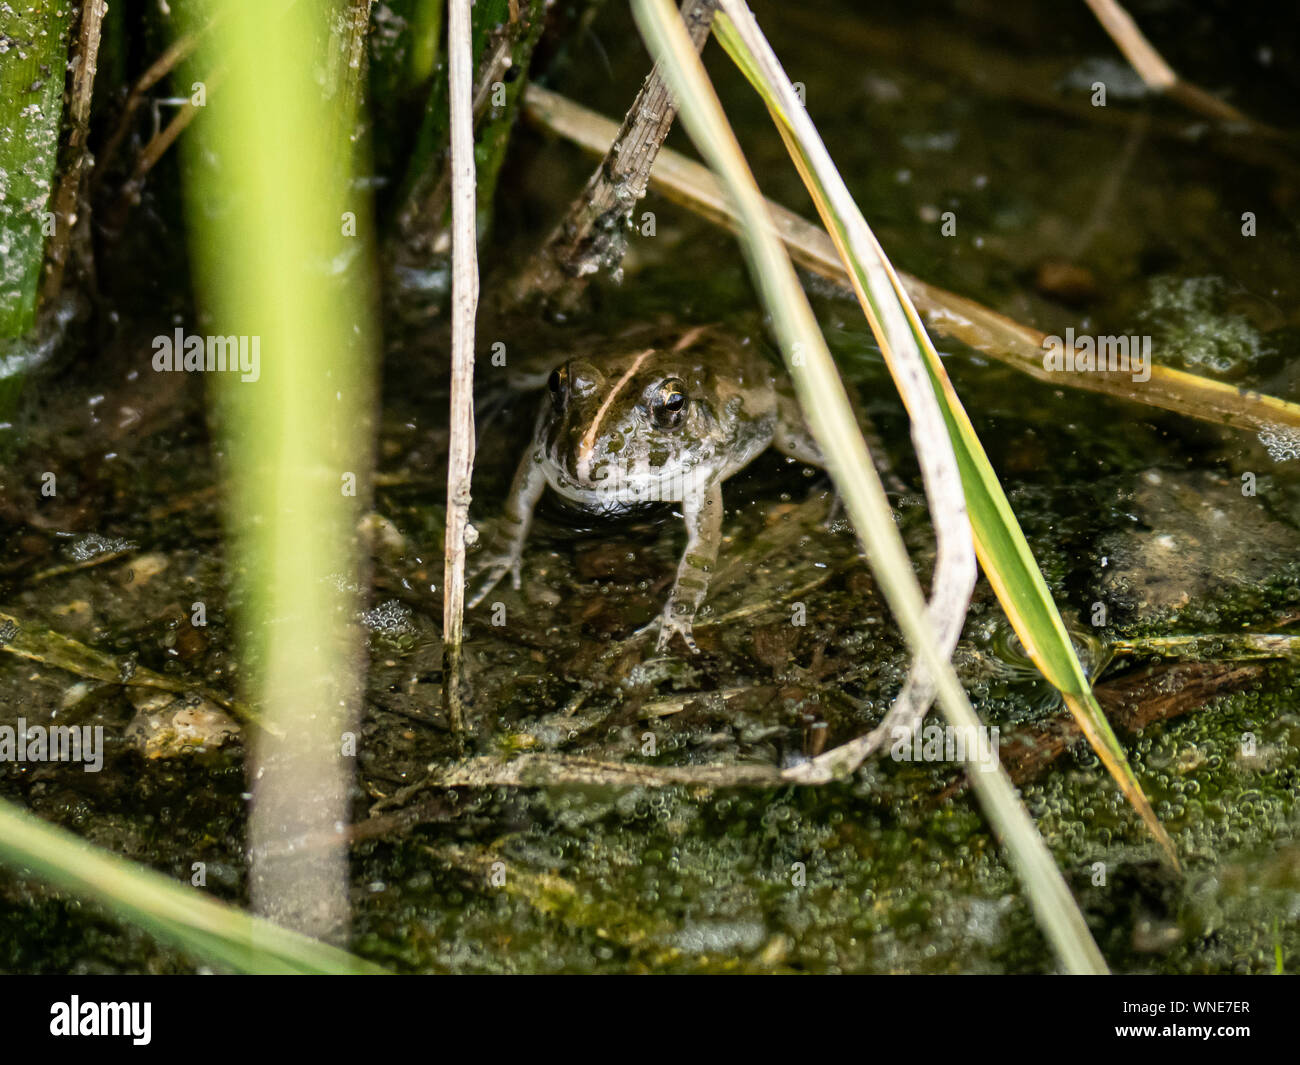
669 403
558 383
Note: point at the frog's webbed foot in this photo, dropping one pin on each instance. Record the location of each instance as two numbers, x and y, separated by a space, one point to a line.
671 623
668 625
703 514
834 512
486 572
504 551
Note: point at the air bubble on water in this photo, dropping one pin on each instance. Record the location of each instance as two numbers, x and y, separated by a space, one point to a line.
391 618
93 545
1282 442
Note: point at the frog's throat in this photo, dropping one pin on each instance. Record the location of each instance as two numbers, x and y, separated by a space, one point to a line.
588 443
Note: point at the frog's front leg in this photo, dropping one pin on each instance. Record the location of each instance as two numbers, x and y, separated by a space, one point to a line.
792 437
702 510
505 554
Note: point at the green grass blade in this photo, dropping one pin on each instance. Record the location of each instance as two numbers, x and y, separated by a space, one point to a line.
209 930
1019 585
825 404
280 238
1003 551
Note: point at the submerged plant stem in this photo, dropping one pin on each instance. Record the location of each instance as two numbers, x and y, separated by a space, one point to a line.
1159 75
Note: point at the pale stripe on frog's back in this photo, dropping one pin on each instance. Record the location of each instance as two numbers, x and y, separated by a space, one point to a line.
587 445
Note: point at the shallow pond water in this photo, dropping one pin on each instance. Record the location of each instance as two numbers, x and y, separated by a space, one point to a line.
980 110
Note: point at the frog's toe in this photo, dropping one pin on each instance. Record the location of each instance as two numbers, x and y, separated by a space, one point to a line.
487 575
485 583
833 513
669 626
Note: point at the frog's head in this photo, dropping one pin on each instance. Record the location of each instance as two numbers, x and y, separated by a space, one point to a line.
628 429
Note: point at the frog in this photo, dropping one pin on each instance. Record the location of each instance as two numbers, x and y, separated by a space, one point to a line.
667 419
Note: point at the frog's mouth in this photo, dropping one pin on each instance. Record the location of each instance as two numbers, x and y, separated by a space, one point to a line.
620 483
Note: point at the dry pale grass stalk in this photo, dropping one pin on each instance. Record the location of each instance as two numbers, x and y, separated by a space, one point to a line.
825 404
954 569
464 304
1158 75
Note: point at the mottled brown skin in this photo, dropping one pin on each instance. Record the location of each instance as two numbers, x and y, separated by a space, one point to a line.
668 420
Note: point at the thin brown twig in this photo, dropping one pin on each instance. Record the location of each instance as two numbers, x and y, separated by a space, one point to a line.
1158 75
162 140
593 234
1150 64
1132 703
152 153
176 53
562 770
949 50
67 205
464 302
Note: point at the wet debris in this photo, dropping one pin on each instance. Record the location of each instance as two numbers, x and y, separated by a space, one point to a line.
169 727
1202 536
